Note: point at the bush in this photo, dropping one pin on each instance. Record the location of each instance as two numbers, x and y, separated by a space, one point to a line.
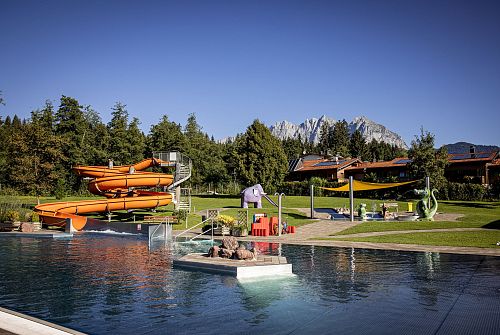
33 217
181 215
12 215
226 220
462 191
495 190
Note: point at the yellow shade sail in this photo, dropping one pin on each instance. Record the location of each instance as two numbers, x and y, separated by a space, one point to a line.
365 186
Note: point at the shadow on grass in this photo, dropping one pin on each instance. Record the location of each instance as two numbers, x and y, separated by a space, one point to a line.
492 225
472 204
295 216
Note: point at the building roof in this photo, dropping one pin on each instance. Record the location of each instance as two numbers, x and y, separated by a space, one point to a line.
472 157
396 162
403 161
325 164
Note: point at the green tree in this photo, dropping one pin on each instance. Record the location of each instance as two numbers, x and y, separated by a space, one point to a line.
426 161
137 141
357 145
260 157
72 126
207 156
34 155
119 145
340 138
293 148
97 139
325 138
166 136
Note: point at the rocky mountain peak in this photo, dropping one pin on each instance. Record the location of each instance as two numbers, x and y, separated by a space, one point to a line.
310 130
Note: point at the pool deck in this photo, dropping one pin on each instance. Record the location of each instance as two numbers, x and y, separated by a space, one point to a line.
16 323
318 233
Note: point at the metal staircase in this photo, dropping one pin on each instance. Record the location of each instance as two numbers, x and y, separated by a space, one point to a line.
183 167
184 202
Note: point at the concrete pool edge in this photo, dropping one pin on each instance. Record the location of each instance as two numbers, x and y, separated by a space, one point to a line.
18 323
495 252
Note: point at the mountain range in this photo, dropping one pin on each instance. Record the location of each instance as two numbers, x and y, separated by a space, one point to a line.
310 130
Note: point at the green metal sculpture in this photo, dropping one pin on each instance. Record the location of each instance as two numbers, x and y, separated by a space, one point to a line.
423 210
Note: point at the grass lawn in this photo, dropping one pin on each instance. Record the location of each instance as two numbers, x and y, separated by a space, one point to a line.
476 215
481 239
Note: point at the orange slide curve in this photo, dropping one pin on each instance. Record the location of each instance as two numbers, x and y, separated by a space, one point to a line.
120 187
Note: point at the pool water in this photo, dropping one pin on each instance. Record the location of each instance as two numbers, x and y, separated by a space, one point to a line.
102 284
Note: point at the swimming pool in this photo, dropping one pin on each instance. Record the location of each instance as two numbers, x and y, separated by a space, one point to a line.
102 284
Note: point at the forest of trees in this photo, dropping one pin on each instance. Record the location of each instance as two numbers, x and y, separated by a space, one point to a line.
37 153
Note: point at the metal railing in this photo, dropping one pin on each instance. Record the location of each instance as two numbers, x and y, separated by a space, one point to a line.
195 226
151 236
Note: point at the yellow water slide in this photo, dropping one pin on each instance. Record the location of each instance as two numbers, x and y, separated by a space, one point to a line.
121 185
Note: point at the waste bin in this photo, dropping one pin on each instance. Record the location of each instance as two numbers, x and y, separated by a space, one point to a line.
410 207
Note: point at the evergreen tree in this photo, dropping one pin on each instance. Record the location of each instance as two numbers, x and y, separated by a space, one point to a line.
357 145
340 139
166 136
136 140
119 146
208 164
72 126
374 153
426 161
45 117
260 157
325 138
293 148
97 139
16 122
34 154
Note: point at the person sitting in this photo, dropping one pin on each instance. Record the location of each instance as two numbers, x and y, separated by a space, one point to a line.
285 228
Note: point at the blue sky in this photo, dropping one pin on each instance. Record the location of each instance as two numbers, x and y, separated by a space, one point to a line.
404 64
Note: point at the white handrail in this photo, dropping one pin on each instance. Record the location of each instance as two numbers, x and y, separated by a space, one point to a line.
196 225
211 230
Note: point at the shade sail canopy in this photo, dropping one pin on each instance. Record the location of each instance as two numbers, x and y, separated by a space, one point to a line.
365 186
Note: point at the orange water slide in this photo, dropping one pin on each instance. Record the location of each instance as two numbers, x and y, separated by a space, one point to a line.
121 185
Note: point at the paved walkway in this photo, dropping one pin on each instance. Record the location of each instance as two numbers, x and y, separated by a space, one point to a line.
318 233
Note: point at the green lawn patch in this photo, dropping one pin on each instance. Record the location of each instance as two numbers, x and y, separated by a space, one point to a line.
476 215
480 239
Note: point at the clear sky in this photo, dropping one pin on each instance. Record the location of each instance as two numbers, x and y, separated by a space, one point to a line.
404 64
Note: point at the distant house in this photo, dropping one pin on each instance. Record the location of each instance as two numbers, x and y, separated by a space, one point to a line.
383 170
332 169
474 167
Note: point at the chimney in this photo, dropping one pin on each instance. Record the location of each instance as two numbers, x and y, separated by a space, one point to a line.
472 151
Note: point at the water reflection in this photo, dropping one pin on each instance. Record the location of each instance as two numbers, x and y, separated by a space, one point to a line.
102 284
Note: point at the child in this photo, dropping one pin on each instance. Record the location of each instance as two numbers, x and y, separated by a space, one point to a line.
285 228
